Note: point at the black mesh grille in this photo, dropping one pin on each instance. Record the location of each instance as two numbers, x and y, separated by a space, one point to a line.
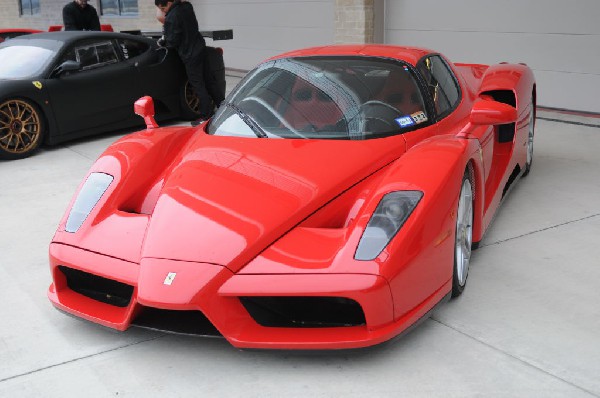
304 312
98 288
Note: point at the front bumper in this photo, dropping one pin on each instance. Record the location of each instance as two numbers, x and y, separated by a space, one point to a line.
215 292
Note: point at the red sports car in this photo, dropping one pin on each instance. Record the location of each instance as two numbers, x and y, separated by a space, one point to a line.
331 202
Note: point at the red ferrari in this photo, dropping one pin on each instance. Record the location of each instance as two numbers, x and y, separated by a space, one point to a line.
331 202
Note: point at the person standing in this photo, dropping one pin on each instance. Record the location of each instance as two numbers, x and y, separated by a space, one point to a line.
79 15
181 34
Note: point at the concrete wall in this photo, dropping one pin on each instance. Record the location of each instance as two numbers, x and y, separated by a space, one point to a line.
559 40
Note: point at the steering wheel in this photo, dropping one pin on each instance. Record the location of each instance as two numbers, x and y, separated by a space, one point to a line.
377 103
379 112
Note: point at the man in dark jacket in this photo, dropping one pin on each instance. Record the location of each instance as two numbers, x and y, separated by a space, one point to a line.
79 15
181 34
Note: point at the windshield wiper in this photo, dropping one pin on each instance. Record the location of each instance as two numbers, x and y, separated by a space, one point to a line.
250 122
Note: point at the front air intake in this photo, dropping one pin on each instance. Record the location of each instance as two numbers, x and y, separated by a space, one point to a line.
304 312
175 321
98 288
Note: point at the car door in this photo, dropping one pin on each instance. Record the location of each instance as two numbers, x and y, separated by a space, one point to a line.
160 72
100 95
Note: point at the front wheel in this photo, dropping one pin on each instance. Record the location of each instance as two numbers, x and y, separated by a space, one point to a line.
463 237
21 129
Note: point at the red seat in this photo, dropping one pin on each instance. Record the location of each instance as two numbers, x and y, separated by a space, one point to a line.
310 106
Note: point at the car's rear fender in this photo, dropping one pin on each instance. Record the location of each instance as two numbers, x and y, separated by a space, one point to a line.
517 78
513 84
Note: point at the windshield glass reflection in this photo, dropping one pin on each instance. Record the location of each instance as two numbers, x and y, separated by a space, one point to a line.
21 62
323 98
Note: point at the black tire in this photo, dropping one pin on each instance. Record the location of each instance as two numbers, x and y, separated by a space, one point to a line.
22 128
190 103
463 236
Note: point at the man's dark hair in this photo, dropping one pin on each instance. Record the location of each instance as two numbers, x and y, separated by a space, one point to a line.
161 3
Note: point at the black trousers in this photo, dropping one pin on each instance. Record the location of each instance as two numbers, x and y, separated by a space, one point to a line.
214 73
194 68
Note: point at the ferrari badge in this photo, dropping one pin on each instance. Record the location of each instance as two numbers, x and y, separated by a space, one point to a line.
37 84
170 278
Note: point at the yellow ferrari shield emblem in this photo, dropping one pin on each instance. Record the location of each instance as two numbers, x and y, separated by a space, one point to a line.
37 84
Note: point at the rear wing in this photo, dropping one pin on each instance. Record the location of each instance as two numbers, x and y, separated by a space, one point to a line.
226 34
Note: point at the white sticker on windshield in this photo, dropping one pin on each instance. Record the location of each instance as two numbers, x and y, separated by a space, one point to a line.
419 117
405 121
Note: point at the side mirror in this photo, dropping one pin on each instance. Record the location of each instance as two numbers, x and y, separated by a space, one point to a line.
144 107
489 112
67 66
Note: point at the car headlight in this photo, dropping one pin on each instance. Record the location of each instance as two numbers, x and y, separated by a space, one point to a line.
386 221
91 192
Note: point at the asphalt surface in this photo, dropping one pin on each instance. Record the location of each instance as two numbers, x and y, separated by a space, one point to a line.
528 324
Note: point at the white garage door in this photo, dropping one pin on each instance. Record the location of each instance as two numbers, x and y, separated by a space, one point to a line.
559 40
263 28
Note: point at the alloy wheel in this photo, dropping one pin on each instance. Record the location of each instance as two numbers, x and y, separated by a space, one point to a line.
464 232
20 127
530 138
191 99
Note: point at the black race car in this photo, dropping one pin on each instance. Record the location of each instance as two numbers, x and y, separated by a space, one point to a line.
63 85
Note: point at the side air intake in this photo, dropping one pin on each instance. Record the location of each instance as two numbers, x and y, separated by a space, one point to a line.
304 312
98 288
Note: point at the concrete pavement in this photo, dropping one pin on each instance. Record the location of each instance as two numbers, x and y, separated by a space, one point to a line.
526 326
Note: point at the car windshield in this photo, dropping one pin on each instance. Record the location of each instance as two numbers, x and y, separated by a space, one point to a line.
323 98
22 59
